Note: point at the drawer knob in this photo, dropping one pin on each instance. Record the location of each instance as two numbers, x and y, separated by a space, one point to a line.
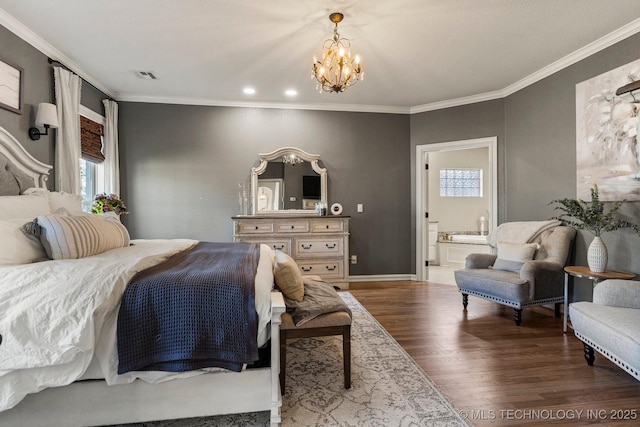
256 227
327 226
293 226
306 269
332 246
281 247
306 247
332 268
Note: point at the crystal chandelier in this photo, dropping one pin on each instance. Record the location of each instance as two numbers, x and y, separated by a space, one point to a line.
291 159
337 70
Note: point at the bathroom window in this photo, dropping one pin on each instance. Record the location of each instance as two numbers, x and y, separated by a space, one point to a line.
461 182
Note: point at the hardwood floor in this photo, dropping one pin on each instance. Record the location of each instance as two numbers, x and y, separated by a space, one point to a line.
499 373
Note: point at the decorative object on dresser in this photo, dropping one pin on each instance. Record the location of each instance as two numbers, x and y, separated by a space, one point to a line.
592 217
319 244
278 183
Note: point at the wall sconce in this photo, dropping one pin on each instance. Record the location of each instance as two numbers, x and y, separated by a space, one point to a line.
47 116
630 92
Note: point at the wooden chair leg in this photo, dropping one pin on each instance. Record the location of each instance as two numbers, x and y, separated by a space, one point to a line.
346 354
465 300
283 359
518 316
557 310
589 355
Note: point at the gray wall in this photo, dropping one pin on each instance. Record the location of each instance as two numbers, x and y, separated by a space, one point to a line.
536 129
471 121
181 164
541 154
37 87
180 167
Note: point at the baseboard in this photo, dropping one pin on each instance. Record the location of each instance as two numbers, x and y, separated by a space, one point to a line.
382 277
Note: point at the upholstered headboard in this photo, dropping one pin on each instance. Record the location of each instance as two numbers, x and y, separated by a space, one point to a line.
19 169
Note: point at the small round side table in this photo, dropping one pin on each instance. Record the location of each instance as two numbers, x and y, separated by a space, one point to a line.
584 272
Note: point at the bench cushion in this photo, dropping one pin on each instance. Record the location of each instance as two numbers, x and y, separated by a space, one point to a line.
502 284
338 318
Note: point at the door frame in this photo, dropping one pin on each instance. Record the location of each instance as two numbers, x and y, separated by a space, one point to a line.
422 228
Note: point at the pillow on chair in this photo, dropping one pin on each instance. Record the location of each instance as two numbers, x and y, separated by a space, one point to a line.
288 276
511 256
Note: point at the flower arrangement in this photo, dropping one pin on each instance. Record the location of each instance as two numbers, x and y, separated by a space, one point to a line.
591 216
108 203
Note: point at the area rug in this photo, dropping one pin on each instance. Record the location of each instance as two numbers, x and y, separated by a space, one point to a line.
387 387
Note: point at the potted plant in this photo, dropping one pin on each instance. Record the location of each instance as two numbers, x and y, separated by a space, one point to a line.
108 204
592 217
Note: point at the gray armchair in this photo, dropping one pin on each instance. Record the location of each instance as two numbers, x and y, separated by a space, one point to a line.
609 324
521 282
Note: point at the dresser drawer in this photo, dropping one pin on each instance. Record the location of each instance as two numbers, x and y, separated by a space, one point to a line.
325 269
311 247
283 245
254 227
292 227
319 226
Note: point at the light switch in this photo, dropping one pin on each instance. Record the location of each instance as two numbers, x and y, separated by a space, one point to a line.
360 207
292 199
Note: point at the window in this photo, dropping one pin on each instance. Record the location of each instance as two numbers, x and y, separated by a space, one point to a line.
91 168
461 182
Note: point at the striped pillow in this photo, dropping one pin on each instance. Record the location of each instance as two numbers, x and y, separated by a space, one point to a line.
72 237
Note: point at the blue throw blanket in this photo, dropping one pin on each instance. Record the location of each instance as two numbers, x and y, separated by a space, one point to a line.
195 310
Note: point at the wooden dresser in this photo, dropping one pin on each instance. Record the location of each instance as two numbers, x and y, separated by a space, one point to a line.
319 244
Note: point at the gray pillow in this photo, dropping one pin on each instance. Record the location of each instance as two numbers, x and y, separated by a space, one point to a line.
507 265
12 180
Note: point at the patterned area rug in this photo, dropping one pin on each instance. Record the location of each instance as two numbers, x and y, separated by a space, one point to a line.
387 387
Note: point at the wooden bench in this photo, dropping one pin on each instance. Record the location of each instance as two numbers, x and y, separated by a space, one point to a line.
338 323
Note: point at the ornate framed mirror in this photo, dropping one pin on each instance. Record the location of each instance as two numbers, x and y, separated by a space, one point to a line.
288 181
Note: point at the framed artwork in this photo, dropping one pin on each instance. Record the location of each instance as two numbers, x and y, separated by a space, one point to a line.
11 78
607 144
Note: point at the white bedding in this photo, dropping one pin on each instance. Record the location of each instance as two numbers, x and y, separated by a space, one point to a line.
56 315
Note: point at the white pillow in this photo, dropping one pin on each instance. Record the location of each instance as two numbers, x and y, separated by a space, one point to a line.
511 256
78 236
27 206
17 246
520 252
59 199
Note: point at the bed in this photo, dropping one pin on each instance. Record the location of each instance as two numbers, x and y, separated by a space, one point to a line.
70 377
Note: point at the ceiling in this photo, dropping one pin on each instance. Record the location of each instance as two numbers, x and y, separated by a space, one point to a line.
417 55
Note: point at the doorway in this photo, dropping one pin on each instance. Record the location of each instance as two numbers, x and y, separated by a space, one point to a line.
422 197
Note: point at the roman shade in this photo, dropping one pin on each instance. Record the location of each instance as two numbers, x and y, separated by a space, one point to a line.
91 140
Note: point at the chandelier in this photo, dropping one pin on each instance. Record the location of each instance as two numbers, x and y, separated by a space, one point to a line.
291 159
337 70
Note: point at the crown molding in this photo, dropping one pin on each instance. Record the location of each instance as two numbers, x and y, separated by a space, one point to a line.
610 39
356 108
594 47
26 34
457 102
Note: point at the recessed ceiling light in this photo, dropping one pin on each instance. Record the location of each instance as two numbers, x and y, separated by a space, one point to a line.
249 91
291 92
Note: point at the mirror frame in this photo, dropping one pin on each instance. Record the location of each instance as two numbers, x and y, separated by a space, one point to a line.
275 155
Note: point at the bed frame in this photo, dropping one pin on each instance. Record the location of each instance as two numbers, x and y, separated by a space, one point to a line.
93 402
